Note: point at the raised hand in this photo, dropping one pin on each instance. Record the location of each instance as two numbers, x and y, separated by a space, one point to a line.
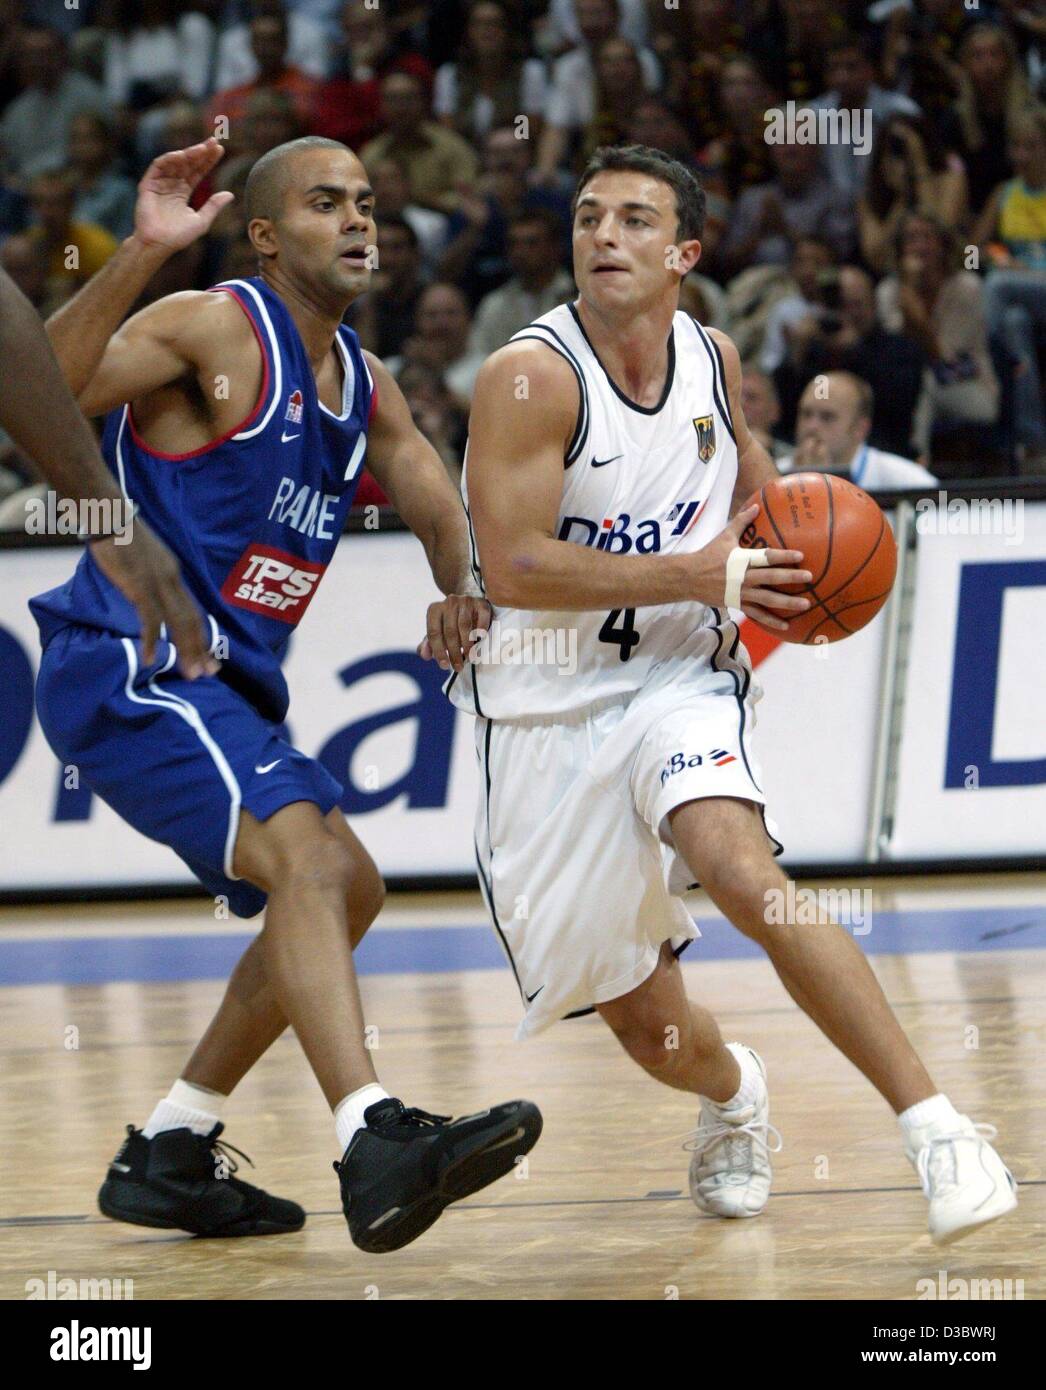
162 215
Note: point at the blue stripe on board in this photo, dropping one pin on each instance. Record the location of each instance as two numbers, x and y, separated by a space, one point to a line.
425 950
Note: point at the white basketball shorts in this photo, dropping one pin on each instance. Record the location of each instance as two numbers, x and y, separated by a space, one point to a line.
573 843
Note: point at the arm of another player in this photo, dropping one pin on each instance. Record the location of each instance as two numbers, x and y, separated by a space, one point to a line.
412 474
39 413
754 465
524 411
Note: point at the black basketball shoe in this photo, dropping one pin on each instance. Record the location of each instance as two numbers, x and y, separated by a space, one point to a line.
399 1172
172 1181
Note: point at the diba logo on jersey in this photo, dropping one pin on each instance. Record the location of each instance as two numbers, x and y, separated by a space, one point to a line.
295 407
270 581
719 757
618 534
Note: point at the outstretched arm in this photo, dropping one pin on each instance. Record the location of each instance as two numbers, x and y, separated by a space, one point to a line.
84 333
412 474
39 413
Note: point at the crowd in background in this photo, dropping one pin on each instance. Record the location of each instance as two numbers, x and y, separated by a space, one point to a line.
918 267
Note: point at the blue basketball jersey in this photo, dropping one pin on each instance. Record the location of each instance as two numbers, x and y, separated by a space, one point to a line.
254 517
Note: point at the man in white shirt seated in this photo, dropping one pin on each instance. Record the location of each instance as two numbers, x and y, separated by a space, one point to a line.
831 431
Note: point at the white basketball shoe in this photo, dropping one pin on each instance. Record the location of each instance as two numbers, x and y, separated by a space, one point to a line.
964 1179
731 1147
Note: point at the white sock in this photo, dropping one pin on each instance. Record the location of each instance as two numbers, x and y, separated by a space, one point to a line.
186 1107
752 1083
348 1113
935 1114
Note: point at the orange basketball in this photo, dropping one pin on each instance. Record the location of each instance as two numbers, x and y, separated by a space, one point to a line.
847 546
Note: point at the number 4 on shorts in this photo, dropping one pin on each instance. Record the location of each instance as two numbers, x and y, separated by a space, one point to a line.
624 637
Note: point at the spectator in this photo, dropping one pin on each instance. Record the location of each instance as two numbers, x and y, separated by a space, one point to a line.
491 82
25 261
438 162
565 32
392 198
932 300
441 341
348 106
910 172
308 45
572 97
694 46
74 250
655 123
268 36
762 408
538 282
618 78
851 74
790 44
104 196
834 420
1013 231
477 254
739 156
154 50
799 201
810 258
384 317
843 335
435 415
34 130
992 92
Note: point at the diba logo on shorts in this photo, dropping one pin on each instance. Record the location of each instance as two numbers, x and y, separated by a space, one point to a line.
719 757
619 534
270 581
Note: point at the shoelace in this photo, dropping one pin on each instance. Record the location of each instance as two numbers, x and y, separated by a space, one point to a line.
421 1118
706 1137
935 1163
223 1149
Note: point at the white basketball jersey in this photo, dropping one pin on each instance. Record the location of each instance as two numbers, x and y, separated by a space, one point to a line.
637 480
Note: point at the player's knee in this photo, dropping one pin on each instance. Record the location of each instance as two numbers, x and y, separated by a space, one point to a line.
647 1041
321 864
366 897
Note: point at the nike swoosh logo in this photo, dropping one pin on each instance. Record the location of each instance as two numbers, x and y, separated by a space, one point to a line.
286 438
602 463
531 997
268 766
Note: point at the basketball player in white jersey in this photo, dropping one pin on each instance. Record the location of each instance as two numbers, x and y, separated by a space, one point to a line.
613 698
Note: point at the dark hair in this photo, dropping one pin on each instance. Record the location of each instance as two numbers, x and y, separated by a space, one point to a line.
400 224
849 42
641 159
877 192
265 187
544 218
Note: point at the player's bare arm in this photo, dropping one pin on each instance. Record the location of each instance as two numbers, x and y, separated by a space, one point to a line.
754 465
39 413
80 331
413 476
517 442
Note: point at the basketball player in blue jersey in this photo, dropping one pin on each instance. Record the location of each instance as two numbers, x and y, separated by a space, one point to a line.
607 457
238 421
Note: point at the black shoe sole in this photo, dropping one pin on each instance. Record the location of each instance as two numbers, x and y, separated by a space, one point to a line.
494 1156
133 1216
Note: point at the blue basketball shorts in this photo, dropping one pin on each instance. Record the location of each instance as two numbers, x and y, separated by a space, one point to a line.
177 759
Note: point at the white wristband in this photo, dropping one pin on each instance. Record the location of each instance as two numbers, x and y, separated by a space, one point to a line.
737 565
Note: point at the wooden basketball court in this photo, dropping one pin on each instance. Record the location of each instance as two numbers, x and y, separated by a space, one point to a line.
97 1030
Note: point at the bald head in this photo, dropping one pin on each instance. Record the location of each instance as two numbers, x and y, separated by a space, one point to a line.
270 177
